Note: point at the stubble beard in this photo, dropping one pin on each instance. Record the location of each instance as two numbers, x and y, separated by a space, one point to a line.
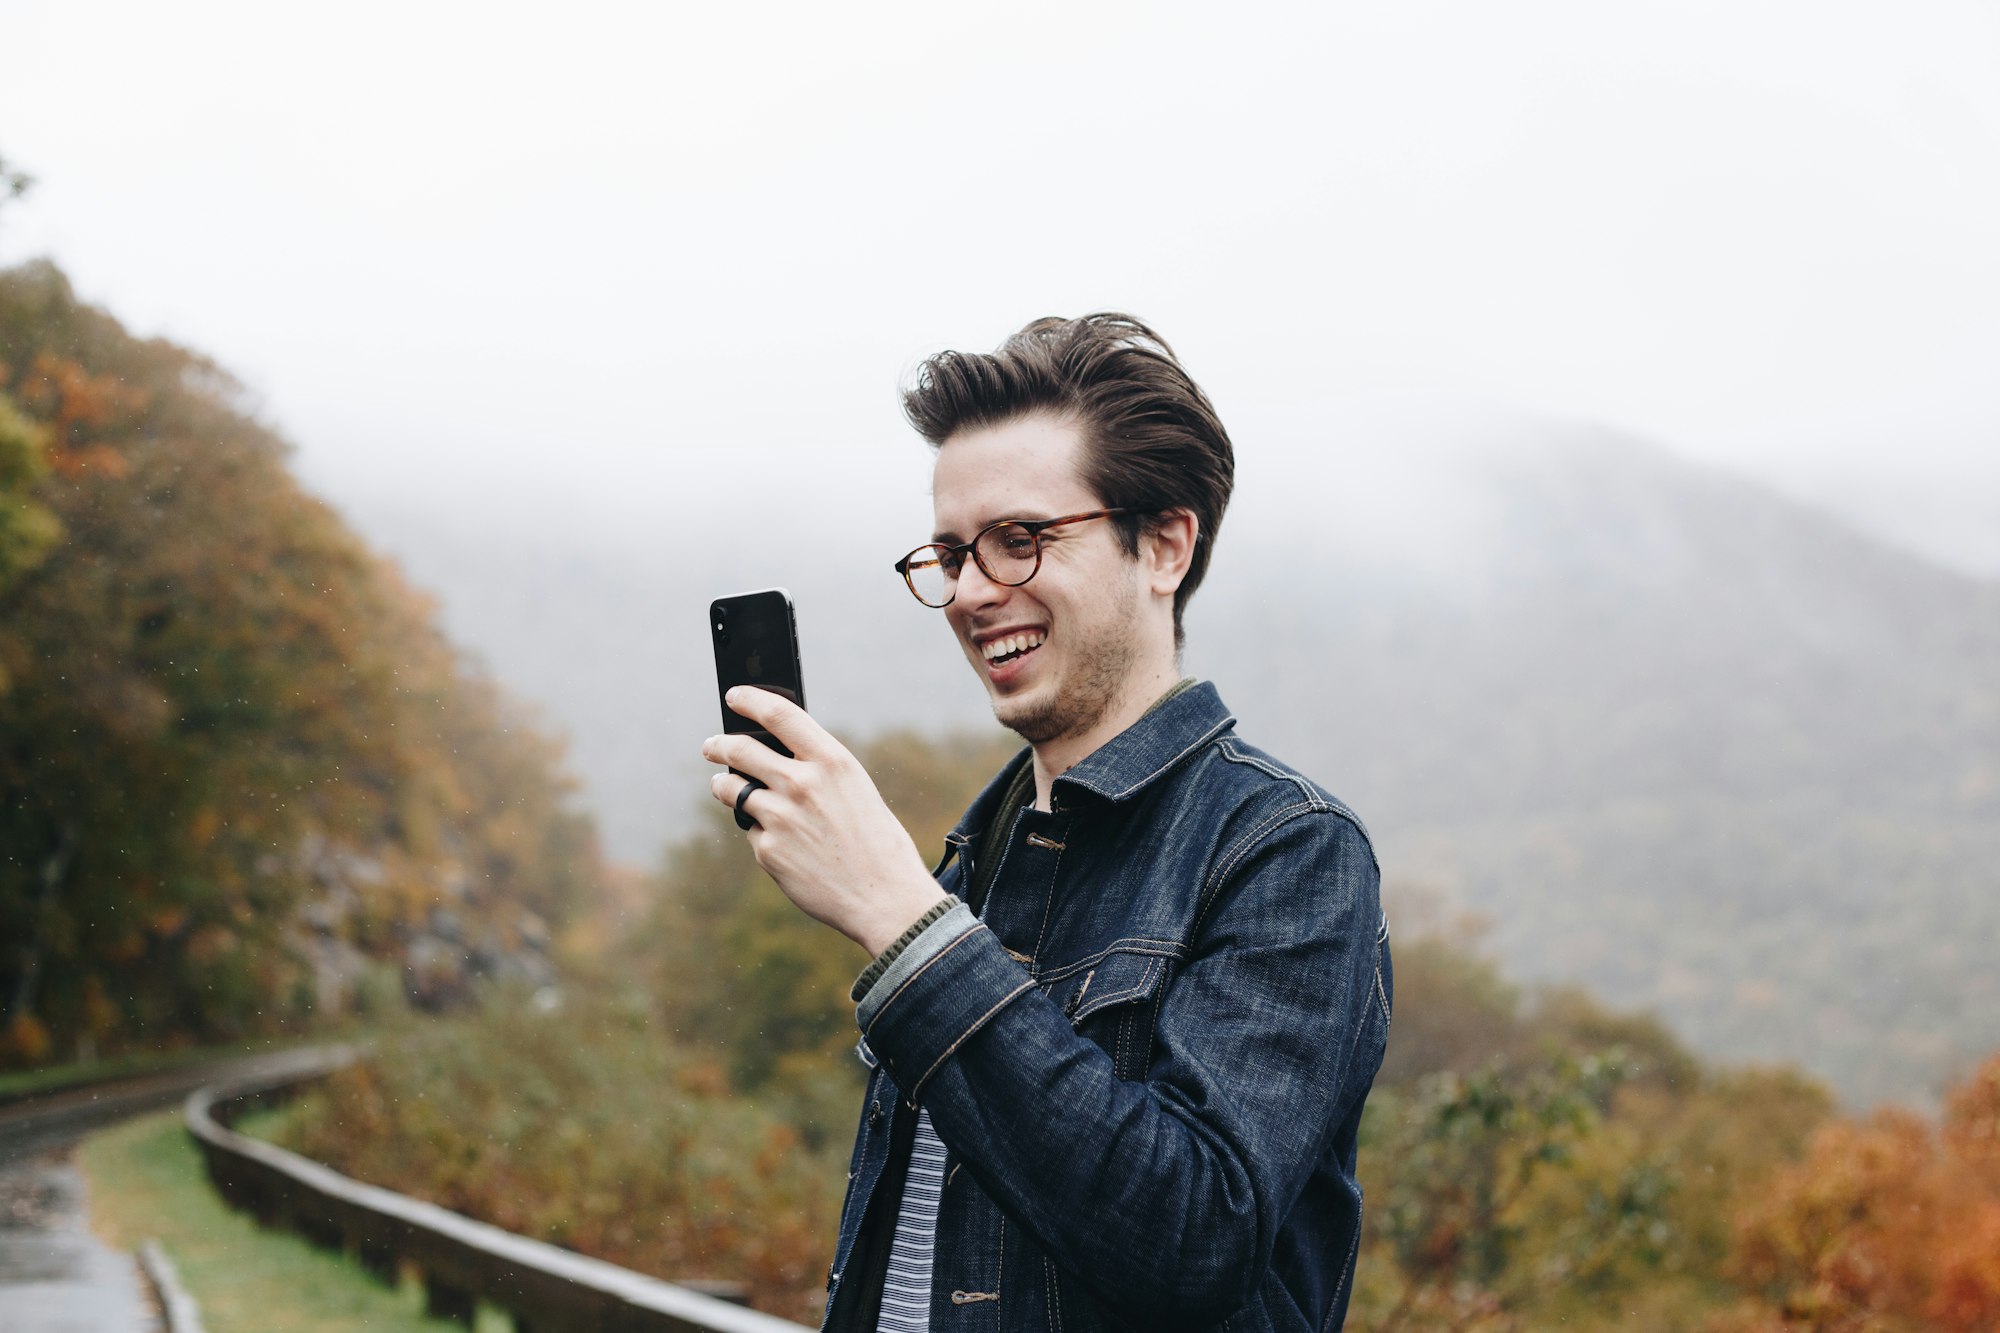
1072 707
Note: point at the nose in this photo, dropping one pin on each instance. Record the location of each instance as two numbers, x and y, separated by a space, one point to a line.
974 589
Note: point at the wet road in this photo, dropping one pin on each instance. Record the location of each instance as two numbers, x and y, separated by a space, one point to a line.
55 1276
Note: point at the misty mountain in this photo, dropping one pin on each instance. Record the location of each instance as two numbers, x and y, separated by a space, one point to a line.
1689 744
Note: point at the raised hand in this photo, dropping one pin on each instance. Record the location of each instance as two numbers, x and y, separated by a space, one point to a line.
822 830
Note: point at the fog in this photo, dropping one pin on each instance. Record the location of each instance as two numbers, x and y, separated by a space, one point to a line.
558 300
583 267
1618 512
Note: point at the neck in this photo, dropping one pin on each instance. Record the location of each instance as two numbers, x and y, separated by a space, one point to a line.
1059 755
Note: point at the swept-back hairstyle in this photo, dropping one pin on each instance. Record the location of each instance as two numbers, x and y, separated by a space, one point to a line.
1151 440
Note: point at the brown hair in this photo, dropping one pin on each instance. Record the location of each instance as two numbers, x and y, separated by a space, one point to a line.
1151 439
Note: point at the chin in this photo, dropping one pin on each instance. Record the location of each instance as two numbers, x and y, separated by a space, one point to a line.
1046 714
1032 725
1022 713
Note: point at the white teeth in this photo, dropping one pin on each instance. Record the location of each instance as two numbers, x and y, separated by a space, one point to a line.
1013 643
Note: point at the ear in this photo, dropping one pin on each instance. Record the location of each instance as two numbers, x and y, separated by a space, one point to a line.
1167 549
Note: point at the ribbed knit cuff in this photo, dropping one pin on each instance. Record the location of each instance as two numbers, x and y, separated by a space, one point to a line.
873 973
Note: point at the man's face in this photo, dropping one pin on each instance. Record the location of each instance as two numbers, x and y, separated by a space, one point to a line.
1077 622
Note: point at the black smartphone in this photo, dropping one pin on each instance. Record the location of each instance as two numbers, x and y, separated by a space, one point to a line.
756 643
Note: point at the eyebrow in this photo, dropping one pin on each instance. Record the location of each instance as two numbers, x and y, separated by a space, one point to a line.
951 538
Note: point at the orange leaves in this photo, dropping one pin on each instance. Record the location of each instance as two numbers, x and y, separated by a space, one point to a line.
25 1042
81 409
588 1128
214 685
1885 1224
1966 1291
1972 1120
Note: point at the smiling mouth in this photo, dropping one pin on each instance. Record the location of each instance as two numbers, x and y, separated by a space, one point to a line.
1012 648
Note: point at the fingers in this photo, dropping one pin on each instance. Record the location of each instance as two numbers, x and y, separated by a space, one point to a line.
726 787
782 718
747 754
736 792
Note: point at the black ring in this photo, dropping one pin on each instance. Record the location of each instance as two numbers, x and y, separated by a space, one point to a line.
744 821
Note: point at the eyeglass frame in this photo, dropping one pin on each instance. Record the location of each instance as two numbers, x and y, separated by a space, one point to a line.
1035 528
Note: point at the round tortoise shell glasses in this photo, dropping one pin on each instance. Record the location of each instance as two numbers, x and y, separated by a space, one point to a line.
1009 553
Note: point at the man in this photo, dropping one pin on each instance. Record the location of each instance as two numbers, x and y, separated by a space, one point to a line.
1121 1039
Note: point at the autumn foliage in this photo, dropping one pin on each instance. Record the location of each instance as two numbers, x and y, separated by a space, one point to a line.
685 1103
239 765
581 1126
1887 1224
1531 1159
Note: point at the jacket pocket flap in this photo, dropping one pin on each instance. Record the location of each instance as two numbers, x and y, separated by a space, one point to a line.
1122 978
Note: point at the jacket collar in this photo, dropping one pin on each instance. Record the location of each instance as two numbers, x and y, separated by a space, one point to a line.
1123 766
1136 757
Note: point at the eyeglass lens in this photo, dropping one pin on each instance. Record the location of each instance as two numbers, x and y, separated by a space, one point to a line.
1006 554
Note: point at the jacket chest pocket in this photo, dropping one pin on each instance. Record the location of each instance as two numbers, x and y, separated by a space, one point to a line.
1115 1002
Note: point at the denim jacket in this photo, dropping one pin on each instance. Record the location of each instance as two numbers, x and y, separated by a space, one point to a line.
1147 1058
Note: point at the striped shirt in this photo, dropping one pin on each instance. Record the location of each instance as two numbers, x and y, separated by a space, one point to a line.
906 1294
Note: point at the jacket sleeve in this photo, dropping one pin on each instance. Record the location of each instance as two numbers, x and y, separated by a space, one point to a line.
1261 1049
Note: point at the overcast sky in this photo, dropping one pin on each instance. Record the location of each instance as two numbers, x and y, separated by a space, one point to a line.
571 263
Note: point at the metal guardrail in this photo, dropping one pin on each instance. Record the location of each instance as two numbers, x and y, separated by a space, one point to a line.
544 1288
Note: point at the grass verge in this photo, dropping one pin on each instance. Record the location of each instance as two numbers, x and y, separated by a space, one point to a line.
146 1180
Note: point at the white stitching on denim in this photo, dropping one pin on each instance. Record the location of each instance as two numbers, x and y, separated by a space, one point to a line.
1006 846
1353 1253
1153 1032
1354 1042
1205 738
911 979
1149 948
1305 784
977 1024
1106 999
1234 755
1048 903
1235 857
1247 844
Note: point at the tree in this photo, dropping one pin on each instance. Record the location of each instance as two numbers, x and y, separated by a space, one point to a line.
222 709
1886 1225
1536 1160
